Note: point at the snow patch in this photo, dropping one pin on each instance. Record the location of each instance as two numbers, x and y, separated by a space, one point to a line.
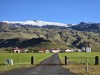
38 23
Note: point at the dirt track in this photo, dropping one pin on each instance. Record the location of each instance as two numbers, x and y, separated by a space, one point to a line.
50 66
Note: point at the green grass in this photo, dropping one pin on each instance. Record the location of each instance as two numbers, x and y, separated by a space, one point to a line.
80 69
80 57
21 59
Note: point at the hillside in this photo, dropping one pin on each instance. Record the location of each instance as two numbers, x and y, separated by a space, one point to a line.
90 27
48 38
41 34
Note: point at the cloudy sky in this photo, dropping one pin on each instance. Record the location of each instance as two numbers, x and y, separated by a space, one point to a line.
64 11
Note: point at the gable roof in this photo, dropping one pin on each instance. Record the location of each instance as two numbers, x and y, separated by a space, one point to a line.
16 48
41 49
55 49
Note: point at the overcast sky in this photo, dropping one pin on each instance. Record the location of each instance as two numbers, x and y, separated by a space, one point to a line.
64 11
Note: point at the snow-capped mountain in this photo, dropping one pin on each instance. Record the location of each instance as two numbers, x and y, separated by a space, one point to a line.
12 25
37 23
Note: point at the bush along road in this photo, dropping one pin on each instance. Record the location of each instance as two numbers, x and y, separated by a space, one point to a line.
50 66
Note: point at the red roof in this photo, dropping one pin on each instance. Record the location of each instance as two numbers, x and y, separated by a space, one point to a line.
16 48
41 49
55 48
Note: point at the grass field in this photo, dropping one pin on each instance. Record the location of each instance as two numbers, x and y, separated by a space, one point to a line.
21 59
80 57
79 63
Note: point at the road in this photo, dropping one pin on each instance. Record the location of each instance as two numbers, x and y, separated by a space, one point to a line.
50 66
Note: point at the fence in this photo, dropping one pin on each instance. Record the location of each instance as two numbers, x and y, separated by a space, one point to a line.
82 60
18 60
83 64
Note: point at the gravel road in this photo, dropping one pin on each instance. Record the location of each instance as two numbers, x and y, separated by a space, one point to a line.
50 66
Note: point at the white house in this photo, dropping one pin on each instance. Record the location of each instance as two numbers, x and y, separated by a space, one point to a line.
47 51
68 50
86 49
78 50
55 50
41 50
26 50
16 50
83 49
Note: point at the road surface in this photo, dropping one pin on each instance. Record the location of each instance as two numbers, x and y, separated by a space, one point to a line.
50 66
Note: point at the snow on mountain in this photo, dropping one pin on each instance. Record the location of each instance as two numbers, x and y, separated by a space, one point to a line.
37 22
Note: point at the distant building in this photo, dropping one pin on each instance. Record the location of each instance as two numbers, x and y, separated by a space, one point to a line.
16 50
55 50
26 51
68 50
41 50
86 47
47 51
78 50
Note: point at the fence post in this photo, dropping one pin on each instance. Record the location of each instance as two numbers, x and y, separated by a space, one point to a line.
96 60
66 60
87 65
32 60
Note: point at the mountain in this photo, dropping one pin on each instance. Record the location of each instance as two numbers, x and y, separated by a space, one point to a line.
7 25
48 38
40 34
91 27
32 24
37 23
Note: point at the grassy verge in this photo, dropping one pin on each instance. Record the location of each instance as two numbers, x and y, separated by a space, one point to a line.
80 59
81 69
21 60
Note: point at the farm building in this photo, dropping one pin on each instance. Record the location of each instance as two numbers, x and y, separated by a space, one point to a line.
26 50
47 51
41 50
86 47
55 50
69 50
78 50
16 50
